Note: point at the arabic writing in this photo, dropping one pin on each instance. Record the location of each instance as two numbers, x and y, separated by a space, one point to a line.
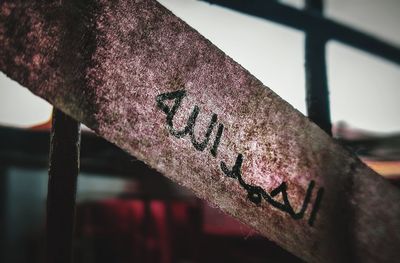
254 193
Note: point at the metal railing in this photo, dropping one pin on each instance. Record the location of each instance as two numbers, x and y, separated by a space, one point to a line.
66 133
318 31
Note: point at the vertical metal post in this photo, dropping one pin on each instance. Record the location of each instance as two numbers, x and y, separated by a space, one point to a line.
317 94
3 200
63 172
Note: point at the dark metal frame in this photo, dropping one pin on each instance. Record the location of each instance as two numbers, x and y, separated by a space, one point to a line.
318 31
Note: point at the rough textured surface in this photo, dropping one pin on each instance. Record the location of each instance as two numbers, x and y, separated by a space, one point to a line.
105 63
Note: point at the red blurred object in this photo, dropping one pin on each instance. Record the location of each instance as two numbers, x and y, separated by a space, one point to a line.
167 231
139 230
45 126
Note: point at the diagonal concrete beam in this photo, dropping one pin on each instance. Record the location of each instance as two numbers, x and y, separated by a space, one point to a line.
146 81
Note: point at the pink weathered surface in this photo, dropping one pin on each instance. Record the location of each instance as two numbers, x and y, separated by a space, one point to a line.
138 75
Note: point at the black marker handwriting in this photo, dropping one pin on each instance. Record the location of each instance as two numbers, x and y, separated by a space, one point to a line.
214 149
191 122
254 193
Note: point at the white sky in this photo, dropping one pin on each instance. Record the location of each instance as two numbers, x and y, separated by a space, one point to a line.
364 89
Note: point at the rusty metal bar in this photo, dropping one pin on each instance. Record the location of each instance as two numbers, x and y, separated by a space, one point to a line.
317 94
63 172
146 81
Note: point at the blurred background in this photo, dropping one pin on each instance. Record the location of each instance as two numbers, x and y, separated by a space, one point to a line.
127 212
